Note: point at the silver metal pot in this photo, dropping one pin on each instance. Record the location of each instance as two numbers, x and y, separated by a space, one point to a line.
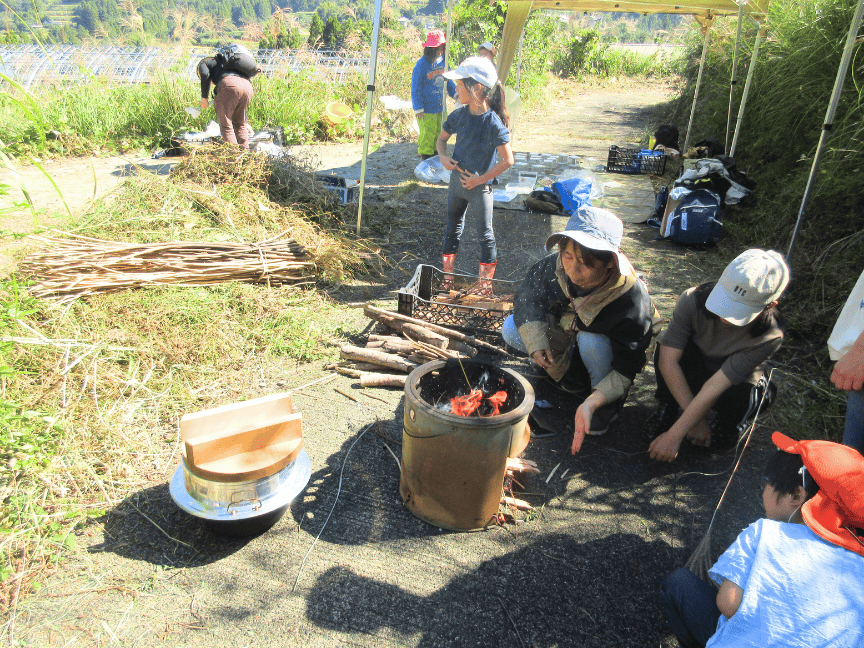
240 508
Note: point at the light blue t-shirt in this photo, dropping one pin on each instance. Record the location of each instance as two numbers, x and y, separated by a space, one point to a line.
799 590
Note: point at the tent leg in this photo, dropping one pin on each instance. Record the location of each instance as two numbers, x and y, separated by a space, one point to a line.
759 38
370 98
706 27
829 118
514 24
734 78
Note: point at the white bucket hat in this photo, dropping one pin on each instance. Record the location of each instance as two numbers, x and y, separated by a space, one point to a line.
596 229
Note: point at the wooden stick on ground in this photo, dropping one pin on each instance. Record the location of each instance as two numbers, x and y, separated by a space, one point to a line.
378 313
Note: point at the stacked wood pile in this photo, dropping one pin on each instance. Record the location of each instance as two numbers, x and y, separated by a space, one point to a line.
401 344
74 266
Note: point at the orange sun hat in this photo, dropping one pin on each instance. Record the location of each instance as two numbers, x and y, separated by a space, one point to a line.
836 512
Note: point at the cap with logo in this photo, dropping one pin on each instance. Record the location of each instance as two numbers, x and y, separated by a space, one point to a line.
753 280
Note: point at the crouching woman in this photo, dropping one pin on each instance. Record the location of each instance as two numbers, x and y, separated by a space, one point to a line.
585 317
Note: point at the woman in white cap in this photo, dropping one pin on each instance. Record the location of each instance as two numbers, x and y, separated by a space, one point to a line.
480 125
585 317
427 97
714 351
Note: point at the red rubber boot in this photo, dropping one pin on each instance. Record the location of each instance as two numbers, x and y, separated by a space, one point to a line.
448 261
487 272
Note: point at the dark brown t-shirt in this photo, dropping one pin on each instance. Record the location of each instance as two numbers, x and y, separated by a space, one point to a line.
726 347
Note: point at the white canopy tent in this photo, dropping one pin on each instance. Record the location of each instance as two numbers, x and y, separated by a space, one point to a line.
705 12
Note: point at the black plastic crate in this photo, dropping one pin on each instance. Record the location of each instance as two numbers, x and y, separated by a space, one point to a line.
623 160
417 299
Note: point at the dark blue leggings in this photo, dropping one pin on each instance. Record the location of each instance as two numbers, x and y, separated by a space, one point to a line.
477 204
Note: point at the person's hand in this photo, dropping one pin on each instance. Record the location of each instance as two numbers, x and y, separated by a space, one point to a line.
419 114
700 434
665 447
543 358
449 163
581 425
470 180
848 373
204 103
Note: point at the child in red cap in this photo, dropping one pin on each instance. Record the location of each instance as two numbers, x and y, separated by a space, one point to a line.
427 97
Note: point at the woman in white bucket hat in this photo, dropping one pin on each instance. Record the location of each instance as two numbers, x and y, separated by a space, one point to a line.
585 317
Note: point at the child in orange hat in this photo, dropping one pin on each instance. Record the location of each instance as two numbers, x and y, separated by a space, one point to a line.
791 585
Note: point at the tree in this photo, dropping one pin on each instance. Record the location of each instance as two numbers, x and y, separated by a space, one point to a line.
316 28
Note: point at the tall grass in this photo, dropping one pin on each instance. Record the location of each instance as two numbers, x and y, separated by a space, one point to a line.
792 83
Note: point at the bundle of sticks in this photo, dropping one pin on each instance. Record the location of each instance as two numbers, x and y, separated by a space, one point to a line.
74 266
407 343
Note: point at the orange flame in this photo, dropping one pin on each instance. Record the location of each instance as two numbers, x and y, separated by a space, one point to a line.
467 405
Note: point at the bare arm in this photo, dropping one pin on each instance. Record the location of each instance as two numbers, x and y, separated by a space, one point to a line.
848 372
665 447
441 148
729 598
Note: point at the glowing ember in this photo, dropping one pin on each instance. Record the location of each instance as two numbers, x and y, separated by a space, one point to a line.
469 405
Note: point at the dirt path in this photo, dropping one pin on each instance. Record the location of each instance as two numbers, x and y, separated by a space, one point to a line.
348 565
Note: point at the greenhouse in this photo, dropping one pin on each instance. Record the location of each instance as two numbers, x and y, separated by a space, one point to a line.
32 66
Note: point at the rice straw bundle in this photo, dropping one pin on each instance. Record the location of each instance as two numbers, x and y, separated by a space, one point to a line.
75 266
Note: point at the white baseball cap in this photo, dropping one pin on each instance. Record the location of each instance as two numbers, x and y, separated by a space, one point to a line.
478 68
487 46
753 280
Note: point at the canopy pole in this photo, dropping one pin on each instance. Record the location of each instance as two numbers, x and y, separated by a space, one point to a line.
514 24
706 27
829 118
447 57
734 78
370 98
759 38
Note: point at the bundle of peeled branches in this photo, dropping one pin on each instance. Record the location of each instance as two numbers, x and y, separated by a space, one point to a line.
75 266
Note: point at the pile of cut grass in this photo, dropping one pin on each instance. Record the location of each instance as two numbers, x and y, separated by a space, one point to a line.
92 390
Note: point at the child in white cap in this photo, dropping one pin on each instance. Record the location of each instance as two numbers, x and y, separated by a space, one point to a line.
480 126
713 352
585 317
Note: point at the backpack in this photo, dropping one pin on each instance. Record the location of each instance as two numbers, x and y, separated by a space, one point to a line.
667 135
238 59
696 220
545 201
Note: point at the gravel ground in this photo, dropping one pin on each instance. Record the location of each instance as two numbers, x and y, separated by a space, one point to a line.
584 569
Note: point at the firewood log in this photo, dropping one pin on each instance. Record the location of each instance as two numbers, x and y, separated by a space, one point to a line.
423 334
382 380
377 357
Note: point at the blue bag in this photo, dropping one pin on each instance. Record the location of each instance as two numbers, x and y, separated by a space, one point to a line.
697 219
574 193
